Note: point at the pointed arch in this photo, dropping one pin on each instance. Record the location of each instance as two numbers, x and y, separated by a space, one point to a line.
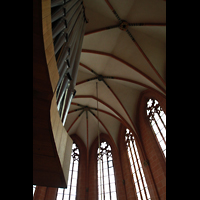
93 168
157 162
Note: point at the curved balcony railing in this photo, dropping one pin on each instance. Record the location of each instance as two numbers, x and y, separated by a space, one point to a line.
68 27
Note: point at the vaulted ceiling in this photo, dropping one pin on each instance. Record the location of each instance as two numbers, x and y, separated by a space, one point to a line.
116 65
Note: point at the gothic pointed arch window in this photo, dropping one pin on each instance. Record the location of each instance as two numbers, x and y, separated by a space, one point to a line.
70 192
157 119
106 177
139 179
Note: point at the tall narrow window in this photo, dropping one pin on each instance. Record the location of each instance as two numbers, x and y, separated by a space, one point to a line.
70 192
106 177
136 167
157 119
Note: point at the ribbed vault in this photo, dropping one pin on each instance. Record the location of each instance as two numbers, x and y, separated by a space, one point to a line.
124 51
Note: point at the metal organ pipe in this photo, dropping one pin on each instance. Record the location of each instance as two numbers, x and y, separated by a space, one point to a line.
57 3
71 72
68 27
73 82
65 65
64 56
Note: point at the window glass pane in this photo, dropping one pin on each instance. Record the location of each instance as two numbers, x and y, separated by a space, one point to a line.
105 180
113 196
155 128
162 144
107 189
60 190
140 184
66 191
138 195
134 177
106 177
113 189
147 191
159 137
160 124
74 182
107 196
137 168
73 197
111 171
112 179
164 152
145 183
59 196
163 116
73 190
72 177
138 175
143 194
110 163
164 132
136 187
34 186
157 116
75 166
66 197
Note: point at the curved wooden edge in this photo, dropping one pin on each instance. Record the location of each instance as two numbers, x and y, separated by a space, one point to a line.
62 140
51 143
48 44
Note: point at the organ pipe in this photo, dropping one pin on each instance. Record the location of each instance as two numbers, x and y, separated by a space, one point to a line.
68 27
74 75
65 65
70 70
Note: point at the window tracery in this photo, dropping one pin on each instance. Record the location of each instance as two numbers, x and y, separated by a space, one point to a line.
157 119
106 177
136 167
70 192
